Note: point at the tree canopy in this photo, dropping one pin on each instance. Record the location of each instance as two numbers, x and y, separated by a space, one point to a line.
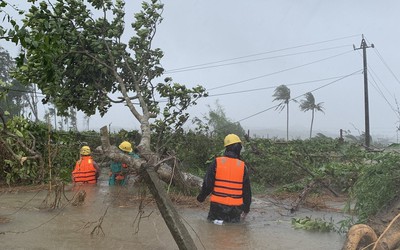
282 94
79 59
307 104
76 54
14 96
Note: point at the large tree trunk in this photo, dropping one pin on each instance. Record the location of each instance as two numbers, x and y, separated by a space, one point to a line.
146 169
183 180
168 212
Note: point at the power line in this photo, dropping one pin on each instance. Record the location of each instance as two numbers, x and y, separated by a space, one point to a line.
280 71
375 85
384 63
290 84
376 75
230 84
253 60
19 90
372 72
268 52
230 93
325 85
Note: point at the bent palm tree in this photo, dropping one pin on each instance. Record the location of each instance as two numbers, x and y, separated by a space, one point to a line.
309 104
282 93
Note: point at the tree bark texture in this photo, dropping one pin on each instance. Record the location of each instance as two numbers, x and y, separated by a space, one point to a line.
165 173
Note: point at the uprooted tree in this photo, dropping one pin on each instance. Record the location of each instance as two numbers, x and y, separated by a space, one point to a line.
75 52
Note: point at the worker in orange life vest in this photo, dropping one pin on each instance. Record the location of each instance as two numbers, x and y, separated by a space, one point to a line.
227 180
86 169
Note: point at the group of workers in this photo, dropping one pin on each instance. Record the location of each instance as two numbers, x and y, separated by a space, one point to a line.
226 179
86 170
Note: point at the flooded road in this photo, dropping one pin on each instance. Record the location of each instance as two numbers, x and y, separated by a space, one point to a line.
26 226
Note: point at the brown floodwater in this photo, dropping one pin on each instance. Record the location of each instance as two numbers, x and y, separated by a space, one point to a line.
26 225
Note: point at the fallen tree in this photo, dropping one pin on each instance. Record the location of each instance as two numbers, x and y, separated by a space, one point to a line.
147 171
76 54
168 174
362 236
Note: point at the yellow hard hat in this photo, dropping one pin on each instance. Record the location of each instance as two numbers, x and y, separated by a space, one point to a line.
85 150
125 146
231 139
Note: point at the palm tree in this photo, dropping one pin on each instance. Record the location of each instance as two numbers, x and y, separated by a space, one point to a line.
282 94
309 104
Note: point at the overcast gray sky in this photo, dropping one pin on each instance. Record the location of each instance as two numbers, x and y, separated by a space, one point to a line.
260 44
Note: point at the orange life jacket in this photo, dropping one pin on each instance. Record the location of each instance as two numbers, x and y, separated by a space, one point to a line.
228 185
84 170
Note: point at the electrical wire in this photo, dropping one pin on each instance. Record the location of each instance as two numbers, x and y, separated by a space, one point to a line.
268 52
253 60
385 64
246 80
21 91
272 87
325 85
375 85
235 92
373 73
280 71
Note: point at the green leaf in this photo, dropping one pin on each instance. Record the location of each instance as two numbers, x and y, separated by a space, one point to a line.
19 134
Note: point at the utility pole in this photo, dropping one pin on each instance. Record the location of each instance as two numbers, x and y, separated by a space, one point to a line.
364 47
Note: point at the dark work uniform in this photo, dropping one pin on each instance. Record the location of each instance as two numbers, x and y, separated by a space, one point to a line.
221 211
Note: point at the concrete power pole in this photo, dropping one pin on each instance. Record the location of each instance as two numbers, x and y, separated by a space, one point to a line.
364 47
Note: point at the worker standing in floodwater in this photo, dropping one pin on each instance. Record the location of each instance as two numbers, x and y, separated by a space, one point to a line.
86 169
227 180
118 170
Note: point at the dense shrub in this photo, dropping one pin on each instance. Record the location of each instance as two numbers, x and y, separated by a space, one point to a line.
56 151
372 177
280 163
377 184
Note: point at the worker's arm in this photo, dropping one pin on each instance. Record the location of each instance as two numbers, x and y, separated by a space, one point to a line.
208 182
96 166
246 192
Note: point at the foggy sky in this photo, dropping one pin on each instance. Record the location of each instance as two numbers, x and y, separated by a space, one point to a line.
296 43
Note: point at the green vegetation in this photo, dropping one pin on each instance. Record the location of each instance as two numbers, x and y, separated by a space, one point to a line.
307 104
322 225
377 185
282 94
32 151
88 63
310 224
